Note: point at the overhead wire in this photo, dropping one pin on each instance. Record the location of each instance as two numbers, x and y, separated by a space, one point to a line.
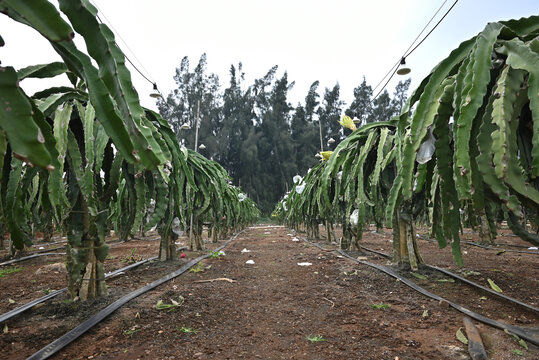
395 67
435 26
147 77
117 33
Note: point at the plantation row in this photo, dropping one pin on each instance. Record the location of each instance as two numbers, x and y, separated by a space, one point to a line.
88 159
464 152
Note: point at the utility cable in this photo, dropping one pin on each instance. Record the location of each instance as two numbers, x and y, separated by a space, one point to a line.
148 78
412 44
406 53
127 46
435 26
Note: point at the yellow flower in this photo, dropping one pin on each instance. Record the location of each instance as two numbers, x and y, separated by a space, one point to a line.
326 154
347 122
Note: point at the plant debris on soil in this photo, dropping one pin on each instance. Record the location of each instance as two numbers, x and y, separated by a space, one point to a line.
275 309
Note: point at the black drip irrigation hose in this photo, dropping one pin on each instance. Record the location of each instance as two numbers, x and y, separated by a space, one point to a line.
19 310
490 291
531 335
464 280
46 252
499 249
12 261
73 334
488 247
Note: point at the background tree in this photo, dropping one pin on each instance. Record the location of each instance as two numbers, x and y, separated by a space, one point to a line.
276 145
305 131
382 108
329 114
400 95
253 131
361 106
194 88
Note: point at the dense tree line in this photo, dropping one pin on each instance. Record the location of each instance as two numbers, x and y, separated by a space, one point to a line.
255 133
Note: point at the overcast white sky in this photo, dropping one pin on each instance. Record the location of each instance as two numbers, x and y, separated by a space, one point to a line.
330 41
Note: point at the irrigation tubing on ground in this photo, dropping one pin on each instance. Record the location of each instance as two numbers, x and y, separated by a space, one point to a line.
12 261
490 291
73 334
499 249
23 308
46 252
495 247
531 335
19 310
464 280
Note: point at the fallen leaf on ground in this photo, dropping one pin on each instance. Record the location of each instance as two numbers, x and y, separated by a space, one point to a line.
218 279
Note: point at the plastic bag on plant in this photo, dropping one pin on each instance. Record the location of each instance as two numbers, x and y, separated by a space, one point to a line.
427 148
176 227
354 217
300 188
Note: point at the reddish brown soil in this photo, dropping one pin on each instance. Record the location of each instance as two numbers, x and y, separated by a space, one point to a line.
274 305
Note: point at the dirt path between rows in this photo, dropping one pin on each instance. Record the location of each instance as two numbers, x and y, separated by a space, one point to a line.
275 306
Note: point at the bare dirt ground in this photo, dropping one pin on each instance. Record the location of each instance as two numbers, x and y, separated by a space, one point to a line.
274 308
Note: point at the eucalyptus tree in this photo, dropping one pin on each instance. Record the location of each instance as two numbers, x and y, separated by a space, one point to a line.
239 137
361 106
329 113
305 131
400 95
197 95
382 108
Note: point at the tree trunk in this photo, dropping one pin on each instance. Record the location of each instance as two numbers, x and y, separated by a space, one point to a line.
328 232
358 235
167 248
316 231
197 227
405 249
93 281
485 235
214 235
346 238
86 253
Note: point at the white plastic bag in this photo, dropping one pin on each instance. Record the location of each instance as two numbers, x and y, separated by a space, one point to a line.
427 148
354 217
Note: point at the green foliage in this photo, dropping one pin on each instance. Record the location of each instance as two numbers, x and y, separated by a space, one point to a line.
252 130
6 272
198 268
315 338
170 307
17 119
494 286
380 306
187 330
484 85
465 155
461 337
